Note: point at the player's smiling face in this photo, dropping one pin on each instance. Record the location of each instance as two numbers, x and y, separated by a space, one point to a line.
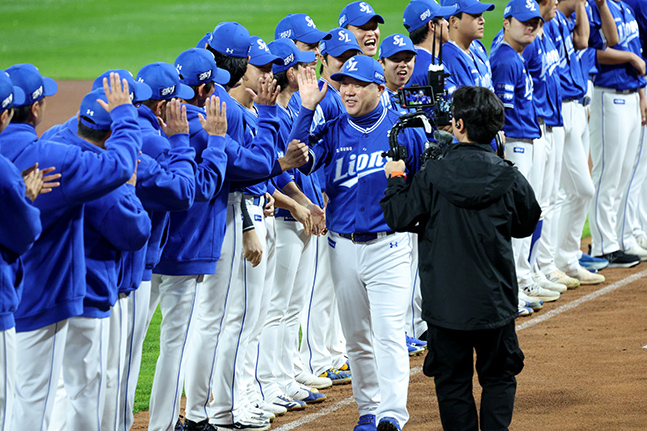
398 69
368 36
359 97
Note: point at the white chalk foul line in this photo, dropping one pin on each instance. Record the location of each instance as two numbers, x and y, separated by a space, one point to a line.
532 322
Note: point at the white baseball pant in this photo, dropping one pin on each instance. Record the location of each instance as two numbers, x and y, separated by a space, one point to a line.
615 135
416 325
373 282
40 355
7 376
629 227
118 327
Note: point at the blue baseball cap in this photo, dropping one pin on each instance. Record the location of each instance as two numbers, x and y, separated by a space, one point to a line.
363 68
420 12
260 54
31 82
230 38
138 90
523 10
164 81
93 115
298 26
358 13
395 43
9 93
197 66
473 7
289 54
337 41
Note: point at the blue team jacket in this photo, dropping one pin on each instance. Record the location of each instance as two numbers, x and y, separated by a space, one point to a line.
19 228
196 235
55 266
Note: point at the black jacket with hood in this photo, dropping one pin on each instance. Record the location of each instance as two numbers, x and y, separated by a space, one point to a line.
465 207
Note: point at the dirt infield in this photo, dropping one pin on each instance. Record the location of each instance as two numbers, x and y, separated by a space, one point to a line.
586 361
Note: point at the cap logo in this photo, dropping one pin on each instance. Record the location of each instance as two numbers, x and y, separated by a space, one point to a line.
286 34
140 79
426 14
204 75
351 65
530 4
166 91
379 76
229 51
132 96
310 22
178 67
398 41
364 7
289 59
262 45
342 20
343 36
36 94
7 101
89 112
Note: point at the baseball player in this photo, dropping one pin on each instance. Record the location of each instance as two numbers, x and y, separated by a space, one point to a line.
619 107
301 29
398 57
323 350
372 274
464 56
514 86
360 18
113 224
42 326
427 26
17 195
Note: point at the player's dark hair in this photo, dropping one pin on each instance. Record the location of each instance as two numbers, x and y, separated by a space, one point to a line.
481 111
419 35
459 15
282 77
325 57
92 135
236 66
207 87
21 114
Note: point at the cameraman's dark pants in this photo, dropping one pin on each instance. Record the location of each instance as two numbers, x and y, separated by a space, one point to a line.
451 362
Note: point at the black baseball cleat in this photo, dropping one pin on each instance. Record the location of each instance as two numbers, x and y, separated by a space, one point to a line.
204 425
618 259
388 424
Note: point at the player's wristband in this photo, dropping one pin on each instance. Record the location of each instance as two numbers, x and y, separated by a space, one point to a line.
395 174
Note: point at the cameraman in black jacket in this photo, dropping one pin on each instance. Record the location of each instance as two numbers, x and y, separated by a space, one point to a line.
466 208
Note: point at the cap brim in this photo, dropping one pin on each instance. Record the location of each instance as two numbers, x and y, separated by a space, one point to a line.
339 50
49 86
185 92
447 11
341 75
478 8
523 17
18 96
262 60
360 22
306 57
314 36
221 76
142 92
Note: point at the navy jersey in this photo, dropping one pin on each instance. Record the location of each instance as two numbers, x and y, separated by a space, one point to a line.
639 8
621 76
351 155
466 69
542 62
513 85
573 82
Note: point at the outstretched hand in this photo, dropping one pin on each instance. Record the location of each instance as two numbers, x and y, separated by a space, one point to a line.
216 121
268 91
309 88
176 121
115 92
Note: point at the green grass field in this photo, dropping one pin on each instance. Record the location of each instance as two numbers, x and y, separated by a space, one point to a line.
79 39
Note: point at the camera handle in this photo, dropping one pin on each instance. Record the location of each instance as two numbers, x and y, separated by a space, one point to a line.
413 119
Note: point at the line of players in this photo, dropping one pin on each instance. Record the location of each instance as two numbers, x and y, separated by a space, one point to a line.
229 336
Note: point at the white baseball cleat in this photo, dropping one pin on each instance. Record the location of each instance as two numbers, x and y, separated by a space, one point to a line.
311 381
587 277
540 279
537 292
561 277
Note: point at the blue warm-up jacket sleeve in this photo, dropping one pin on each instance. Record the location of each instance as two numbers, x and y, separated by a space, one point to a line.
120 218
210 173
20 225
89 175
168 186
